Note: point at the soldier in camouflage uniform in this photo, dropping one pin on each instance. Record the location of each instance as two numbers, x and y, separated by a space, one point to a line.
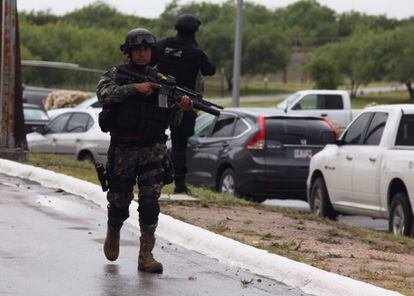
137 150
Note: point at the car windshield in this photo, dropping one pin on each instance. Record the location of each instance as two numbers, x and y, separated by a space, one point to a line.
34 114
287 102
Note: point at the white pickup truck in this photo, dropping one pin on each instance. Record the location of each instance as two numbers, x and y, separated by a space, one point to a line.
370 170
332 104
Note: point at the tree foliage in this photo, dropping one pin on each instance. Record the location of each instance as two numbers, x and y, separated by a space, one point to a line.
91 36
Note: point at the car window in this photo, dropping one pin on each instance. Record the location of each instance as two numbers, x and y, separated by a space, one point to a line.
90 123
298 131
203 125
330 102
77 123
57 125
376 128
308 102
34 114
405 136
224 126
240 128
354 133
288 101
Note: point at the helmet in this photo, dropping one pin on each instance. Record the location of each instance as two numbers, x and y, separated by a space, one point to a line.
187 22
136 37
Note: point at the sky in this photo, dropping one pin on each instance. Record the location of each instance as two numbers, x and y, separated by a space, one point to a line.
153 8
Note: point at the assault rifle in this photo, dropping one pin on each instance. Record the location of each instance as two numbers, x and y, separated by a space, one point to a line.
169 92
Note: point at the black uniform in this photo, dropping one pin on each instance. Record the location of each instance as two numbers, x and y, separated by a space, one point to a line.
180 57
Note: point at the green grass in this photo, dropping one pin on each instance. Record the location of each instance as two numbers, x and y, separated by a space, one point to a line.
213 88
86 171
381 99
359 102
66 165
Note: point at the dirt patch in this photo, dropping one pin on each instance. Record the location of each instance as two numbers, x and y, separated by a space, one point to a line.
378 258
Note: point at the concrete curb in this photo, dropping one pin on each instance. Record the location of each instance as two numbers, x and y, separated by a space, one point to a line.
309 279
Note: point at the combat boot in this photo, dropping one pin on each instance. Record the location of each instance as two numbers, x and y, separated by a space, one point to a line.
111 245
180 186
146 261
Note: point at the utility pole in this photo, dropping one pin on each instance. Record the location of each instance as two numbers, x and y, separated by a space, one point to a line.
12 136
237 55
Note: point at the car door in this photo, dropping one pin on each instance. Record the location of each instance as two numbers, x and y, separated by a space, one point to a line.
202 128
67 142
339 171
212 147
46 143
366 165
330 106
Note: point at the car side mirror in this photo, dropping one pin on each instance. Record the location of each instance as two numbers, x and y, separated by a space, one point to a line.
41 129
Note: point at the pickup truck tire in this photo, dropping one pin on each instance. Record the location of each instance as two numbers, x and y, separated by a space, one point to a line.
319 200
401 215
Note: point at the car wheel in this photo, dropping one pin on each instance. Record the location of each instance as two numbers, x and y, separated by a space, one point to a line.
401 215
319 200
87 156
227 183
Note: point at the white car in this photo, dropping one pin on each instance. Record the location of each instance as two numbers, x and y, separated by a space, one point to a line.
87 104
370 171
75 132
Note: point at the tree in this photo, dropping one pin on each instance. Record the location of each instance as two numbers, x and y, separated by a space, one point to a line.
324 72
400 64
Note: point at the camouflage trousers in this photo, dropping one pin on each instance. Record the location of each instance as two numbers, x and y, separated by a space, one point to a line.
129 165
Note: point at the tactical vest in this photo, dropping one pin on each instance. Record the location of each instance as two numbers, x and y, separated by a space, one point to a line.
137 117
178 60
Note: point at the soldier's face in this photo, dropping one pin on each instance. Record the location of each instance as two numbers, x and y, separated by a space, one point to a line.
141 55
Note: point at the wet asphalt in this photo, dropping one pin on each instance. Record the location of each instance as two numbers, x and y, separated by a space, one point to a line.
51 244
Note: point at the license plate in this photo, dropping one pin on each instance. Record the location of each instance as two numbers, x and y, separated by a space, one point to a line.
302 153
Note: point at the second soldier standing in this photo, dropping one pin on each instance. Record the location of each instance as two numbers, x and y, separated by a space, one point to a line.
181 57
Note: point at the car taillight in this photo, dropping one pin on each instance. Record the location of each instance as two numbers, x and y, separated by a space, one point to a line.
258 141
331 126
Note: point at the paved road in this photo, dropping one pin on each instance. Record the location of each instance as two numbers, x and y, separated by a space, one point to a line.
51 244
374 224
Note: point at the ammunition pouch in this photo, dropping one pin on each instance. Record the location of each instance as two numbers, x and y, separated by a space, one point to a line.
106 118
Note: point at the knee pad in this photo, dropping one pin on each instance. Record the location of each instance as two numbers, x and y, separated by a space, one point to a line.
120 200
149 210
117 216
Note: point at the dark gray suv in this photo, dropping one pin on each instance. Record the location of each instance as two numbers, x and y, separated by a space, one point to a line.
256 152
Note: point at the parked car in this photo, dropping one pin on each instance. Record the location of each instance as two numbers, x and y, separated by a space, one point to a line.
34 117
87 104
36 95
255 152
75 133
370 170
332 104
